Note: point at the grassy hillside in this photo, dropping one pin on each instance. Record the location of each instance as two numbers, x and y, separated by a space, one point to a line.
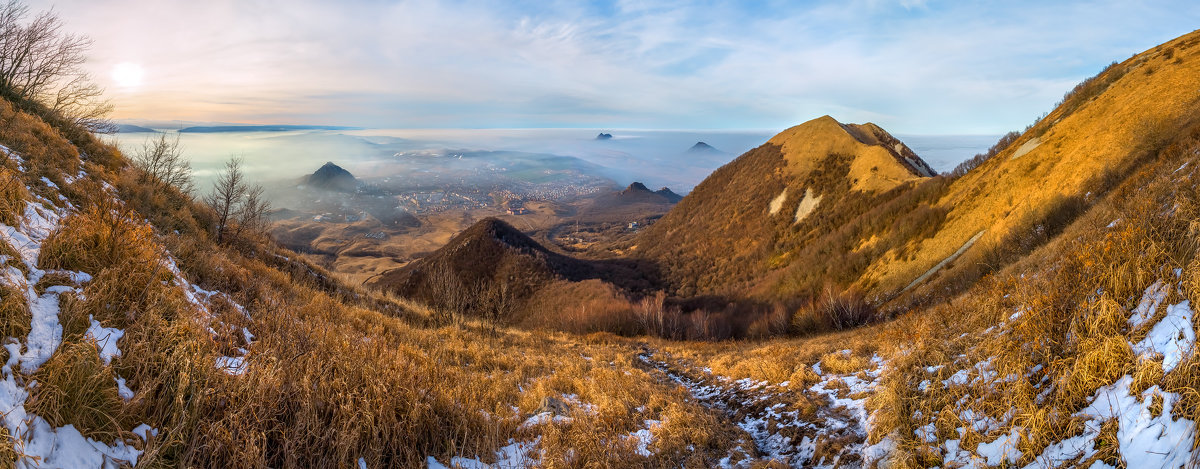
807 198
151 344
1064 336
1103 130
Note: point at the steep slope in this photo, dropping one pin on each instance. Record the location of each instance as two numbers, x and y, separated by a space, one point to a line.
1103 128
746 217
789 216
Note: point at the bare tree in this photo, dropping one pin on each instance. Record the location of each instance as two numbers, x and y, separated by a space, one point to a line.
226 196
163 162
252 215
41 63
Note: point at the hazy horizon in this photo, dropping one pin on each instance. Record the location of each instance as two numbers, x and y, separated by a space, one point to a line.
658 158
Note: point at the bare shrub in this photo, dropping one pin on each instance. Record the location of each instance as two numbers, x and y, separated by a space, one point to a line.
163 162
240 207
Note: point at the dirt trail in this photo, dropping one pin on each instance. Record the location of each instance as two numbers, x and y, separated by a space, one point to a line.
822 425
945 261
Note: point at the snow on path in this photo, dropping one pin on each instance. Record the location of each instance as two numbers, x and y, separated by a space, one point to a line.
778 431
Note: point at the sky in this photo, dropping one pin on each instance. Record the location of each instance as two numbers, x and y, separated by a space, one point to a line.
911 66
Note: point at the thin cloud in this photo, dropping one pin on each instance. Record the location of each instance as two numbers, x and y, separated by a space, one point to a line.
912 66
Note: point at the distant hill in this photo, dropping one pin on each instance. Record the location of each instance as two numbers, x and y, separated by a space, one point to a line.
669 194
701 147
133 129
604 136
489 253
332 177
260 128
639 193
730 230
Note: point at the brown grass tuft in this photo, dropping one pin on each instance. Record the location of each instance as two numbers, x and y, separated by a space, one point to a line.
103 235
75 388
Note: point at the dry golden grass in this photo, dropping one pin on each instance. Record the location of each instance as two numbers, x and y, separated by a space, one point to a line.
14 312
12 196
337 373
74 387
100 237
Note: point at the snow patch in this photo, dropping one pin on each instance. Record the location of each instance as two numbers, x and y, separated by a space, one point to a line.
807 205
1172 337
1027 147
777 203
232 365
105 338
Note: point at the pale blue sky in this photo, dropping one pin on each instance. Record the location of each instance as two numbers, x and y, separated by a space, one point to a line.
916 67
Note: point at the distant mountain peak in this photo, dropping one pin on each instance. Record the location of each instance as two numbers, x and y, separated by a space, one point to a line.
332 177
878 160
604 136
636 186
701 147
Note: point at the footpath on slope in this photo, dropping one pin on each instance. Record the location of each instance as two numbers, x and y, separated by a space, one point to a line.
822 425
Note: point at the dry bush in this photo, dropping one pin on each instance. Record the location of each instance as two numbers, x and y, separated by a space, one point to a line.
835 309
582 307
167 207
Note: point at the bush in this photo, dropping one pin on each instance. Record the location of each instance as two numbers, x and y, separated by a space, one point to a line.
834 309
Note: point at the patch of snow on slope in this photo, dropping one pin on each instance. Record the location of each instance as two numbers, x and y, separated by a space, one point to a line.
1154 439
1151 298
105 338
645 437
1027 147
36 443
807 205
232 365
516 455
1003 448
1173 337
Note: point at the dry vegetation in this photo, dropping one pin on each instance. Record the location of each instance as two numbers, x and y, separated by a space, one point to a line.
332 374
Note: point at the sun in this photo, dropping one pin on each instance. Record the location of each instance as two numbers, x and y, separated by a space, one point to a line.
128 74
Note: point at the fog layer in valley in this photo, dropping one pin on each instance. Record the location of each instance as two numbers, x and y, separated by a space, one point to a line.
657 158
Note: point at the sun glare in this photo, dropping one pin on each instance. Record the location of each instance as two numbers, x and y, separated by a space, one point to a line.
128 75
